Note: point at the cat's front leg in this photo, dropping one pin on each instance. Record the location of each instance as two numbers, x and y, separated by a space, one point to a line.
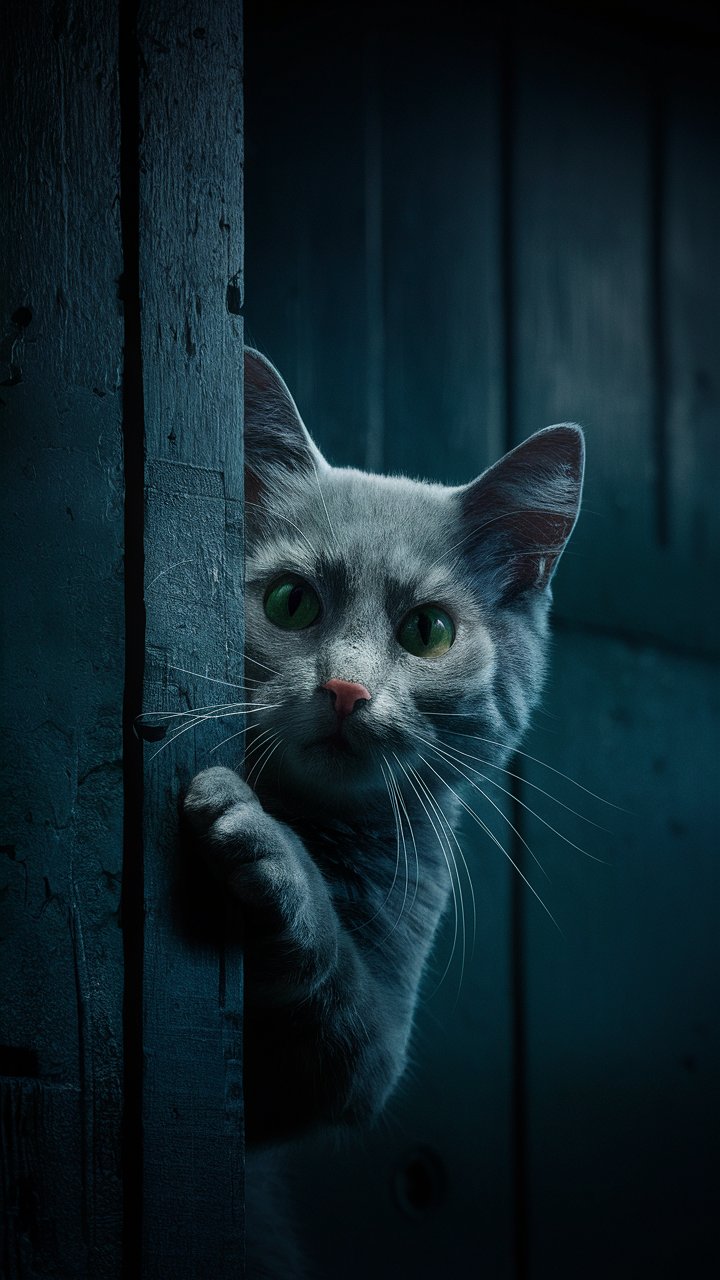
325 1041
290 919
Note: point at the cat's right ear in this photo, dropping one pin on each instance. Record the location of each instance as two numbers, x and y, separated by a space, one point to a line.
519 514
276 440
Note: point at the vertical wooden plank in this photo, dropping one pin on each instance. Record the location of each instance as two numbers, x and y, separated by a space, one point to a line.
190 264
583 337
691 270
590 280
357 168
309 291
623 1041
62 532
612 325
443 377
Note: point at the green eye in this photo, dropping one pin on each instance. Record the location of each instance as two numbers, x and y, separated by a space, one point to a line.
292 603
427 632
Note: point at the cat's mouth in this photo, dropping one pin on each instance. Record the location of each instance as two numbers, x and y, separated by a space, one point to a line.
335 742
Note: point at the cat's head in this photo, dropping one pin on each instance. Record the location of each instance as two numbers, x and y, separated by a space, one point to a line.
384 611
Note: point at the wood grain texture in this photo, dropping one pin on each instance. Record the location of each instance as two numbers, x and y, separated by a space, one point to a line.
623 1046
60 866
190 263
583 293
42 1166
602 210
309 276
442 270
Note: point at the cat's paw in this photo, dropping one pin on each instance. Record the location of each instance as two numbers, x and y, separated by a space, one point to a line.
233 834
211 795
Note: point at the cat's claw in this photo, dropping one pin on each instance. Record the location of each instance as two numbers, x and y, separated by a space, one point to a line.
212 794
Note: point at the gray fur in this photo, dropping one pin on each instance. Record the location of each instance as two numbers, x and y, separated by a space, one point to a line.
336 939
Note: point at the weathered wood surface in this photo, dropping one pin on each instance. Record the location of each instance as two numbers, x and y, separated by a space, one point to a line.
440 190
62 566
310 319
615 301
583 340
190 264
618 301
623 1044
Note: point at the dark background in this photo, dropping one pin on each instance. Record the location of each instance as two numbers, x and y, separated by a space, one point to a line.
462 225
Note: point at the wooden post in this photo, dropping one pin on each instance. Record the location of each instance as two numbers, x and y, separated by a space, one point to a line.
190 253
121 1136
61 337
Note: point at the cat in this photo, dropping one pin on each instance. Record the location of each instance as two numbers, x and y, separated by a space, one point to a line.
377 609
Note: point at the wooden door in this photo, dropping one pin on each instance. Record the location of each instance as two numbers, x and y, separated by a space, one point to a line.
122 1136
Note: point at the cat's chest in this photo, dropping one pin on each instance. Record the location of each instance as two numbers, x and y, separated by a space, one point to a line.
356 859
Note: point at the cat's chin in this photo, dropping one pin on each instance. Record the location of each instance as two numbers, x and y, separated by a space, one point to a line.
336 747
336 754
328 773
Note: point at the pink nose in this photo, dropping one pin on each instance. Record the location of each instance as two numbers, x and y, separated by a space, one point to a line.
346 695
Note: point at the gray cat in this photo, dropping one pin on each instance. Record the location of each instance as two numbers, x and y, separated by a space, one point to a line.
379 608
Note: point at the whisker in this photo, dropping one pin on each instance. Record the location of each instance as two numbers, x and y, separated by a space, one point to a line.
444 819
525 754
456 926
401 801
448 760
261 740
221 708
287 519
265 760
449 856
488 764
257 681
193 723
264 665
327 513
447 755
364 923
282 757
198 720
213 679
224 742
173 715
401 836
272 738
495 841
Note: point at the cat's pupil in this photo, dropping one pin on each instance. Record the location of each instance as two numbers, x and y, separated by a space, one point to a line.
295 599
424 627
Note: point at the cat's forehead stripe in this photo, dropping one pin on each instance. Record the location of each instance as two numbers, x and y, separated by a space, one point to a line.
270 555
394 570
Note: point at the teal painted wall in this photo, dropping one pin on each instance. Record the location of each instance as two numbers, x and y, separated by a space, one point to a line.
457 233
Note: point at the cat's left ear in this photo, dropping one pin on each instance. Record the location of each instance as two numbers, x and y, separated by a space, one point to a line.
276 440
519 514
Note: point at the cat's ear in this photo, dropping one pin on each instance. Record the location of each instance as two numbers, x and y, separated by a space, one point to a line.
276 439
517 517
